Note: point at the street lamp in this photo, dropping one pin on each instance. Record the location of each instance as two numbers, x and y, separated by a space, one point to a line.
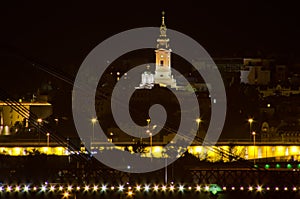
93 120
150 134
250 120
198 120
48 139
253 133
39 121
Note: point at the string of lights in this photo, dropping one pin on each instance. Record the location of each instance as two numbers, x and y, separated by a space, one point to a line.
127 188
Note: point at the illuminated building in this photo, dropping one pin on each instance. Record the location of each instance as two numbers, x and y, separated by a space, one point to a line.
163 74
11 117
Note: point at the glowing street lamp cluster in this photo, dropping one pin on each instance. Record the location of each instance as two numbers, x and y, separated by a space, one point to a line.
67 189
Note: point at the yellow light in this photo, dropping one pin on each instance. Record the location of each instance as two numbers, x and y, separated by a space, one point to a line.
198 149
294 149
250 120
69 188
60 188
8 189
94 120
138 188
78 188
155 188
40 120
198 120
250 188
86 188
52 188
17 189
259 188
198 188
95 187
130 193
66 194
164 187
171 188
206 188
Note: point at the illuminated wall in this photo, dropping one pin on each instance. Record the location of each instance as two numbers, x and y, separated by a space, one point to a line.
209 153
21 151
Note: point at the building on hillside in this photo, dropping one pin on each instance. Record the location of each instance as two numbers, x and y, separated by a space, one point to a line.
256 71
163 74
18 114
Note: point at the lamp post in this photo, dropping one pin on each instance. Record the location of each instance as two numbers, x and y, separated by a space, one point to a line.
150 134
253 133
48 139
250 120
94 120
198 120
39 121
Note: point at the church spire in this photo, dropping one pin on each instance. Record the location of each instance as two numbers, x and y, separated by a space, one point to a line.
163 41
163 28
163 18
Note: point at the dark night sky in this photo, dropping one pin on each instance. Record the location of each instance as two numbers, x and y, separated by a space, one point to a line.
61 34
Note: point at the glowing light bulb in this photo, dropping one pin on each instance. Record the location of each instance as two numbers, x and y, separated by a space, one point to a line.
69 188
103 188
52 188
95 188
181 188
138 188
171 188
146 188
121 188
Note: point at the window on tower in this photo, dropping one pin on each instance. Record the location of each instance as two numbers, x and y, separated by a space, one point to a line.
161 62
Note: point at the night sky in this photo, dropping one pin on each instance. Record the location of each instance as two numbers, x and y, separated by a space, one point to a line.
60 34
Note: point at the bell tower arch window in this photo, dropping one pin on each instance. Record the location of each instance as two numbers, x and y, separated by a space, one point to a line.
161 62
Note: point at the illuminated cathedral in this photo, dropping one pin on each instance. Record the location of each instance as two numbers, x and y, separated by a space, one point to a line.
163 75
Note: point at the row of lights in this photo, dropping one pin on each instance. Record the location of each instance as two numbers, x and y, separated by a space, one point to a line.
137 188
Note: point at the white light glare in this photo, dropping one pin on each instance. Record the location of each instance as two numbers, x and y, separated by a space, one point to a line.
121 188
147 187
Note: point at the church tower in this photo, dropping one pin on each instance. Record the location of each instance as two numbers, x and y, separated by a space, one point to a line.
163 75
